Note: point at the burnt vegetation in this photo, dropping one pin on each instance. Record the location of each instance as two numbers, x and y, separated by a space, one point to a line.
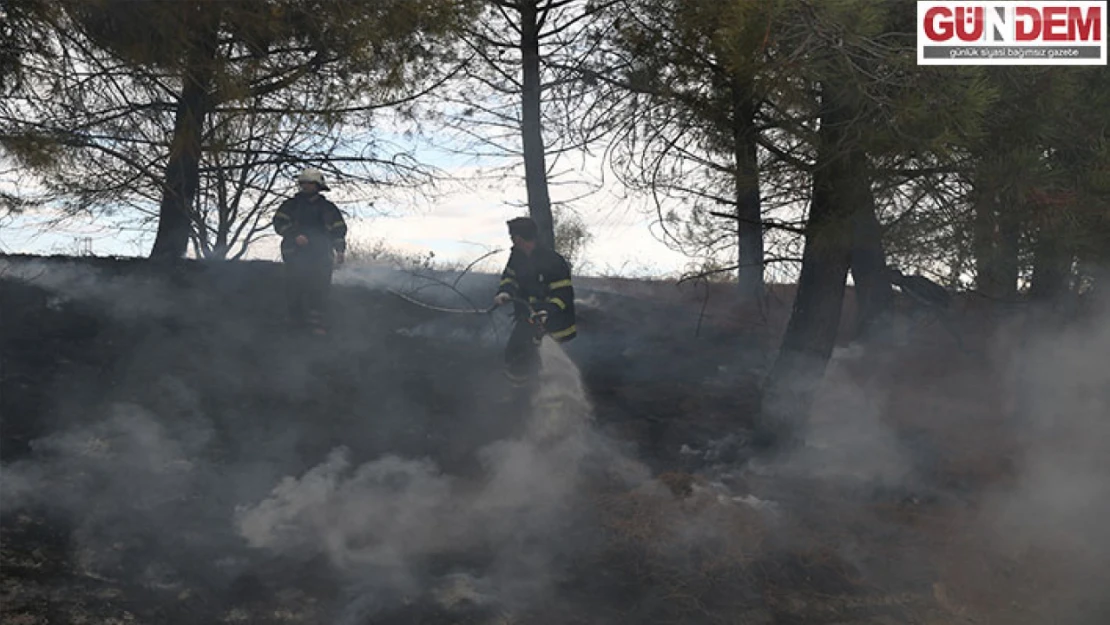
878 395
171 455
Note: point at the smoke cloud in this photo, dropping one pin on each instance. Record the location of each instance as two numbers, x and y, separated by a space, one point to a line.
383 520
1051 514
214 451
199 446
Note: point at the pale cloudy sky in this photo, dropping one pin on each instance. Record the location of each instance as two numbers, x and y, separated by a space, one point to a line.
466 218
461 220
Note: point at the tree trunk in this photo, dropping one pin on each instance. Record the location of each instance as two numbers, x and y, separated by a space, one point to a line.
749 210
535 166
1009 249
868 263
996 243
985 243
182 173
225 221
1052 265
840 183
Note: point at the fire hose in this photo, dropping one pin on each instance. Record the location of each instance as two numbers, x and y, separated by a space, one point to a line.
536 318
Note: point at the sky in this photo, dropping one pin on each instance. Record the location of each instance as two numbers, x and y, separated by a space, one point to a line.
464 220
459 221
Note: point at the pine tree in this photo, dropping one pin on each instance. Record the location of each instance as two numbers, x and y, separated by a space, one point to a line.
857 78
200 59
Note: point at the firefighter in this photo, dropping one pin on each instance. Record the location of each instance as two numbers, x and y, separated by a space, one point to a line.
313 241
537 281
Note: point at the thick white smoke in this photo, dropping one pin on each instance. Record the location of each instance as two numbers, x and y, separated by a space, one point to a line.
1055 508
382 519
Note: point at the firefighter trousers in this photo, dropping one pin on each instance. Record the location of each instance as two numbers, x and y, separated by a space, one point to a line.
522 355
307 286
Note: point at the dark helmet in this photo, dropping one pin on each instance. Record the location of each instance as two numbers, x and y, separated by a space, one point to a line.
524 227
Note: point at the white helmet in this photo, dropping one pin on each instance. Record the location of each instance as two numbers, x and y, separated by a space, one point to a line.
313 175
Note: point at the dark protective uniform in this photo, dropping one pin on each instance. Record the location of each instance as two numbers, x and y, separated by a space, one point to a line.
543 280
308 268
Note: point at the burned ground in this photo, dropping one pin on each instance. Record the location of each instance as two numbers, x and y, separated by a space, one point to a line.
172 453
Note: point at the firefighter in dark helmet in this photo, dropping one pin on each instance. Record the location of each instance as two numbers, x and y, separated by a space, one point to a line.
537 281
313 240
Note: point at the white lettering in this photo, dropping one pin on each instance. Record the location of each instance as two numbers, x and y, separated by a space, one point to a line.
999 23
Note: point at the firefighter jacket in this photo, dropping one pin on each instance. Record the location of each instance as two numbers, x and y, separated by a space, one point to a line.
315 217
543 280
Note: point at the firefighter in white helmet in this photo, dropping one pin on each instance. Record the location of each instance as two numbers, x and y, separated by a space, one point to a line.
313 240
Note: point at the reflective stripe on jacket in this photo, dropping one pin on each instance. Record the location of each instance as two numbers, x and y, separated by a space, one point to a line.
543 280
315 217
